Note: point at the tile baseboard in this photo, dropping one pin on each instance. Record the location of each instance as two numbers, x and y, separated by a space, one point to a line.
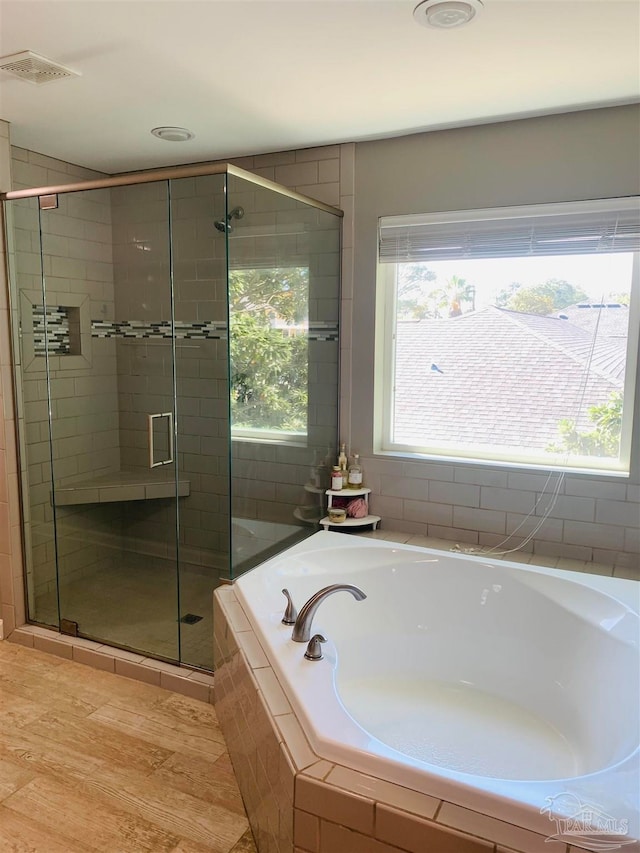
179 679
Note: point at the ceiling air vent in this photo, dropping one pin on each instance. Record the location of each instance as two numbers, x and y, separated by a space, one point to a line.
35 68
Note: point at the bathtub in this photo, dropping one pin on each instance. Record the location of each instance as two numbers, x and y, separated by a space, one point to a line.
507 689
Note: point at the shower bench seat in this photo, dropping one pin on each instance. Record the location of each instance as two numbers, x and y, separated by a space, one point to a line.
120 486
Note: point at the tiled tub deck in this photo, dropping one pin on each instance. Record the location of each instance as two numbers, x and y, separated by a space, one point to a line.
299 803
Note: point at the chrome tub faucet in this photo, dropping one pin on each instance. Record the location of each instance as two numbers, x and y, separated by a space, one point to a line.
302 626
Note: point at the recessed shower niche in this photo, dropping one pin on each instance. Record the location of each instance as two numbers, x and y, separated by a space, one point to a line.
57 328
177 369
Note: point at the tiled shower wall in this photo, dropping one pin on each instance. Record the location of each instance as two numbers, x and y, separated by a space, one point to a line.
326 173
142 276
275 230
268 480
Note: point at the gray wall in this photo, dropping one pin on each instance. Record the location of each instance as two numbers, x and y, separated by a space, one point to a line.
573 156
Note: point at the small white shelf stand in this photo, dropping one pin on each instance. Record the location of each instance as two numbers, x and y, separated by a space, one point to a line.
311 520
365 521
311 513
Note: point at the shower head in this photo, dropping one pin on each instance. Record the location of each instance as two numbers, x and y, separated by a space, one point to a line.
224 225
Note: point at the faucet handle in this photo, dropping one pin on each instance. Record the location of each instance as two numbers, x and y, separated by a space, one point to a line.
290 614
314 651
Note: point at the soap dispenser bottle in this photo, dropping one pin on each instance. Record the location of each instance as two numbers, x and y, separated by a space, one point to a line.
343 464
354 477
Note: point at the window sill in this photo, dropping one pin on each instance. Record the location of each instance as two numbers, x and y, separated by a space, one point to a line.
288 438
412 456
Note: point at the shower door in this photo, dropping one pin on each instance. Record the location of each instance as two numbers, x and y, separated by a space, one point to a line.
108 339
121 314
150 472
199 268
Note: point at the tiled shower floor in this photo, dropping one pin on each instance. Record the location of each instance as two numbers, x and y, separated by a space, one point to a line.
132 604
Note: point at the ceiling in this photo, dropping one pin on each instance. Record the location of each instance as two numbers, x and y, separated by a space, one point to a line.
252 76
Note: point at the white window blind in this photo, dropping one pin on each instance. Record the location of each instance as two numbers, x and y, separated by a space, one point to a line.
572 228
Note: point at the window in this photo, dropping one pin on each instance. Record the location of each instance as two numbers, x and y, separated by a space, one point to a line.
510 335
268 323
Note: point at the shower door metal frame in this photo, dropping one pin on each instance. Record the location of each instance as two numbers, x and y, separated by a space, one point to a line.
168 174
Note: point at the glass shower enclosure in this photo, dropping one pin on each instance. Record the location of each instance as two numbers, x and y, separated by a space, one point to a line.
175 339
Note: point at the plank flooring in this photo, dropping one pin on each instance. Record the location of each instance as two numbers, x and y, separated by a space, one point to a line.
92 762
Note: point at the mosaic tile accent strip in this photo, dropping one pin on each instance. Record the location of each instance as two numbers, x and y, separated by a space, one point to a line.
323 331
141 330
209 330
51 325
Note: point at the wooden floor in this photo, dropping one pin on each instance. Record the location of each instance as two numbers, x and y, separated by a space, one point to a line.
91 761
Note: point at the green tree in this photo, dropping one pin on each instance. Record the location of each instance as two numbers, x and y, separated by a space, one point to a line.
542 299
530 300
602 440
269 355
414 301
418 300
280 292
621 298
503 297
563 293
455 293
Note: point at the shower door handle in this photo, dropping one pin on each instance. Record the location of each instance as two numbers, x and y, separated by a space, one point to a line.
150 421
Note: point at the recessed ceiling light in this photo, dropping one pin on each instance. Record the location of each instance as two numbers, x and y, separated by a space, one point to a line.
173 134
446 14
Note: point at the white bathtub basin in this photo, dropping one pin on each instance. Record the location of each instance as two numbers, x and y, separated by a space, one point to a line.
492 684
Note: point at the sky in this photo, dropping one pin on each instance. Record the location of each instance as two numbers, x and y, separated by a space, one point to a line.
597 275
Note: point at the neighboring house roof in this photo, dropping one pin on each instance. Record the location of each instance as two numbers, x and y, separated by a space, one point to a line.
600 339
500 377
610 319
610 323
